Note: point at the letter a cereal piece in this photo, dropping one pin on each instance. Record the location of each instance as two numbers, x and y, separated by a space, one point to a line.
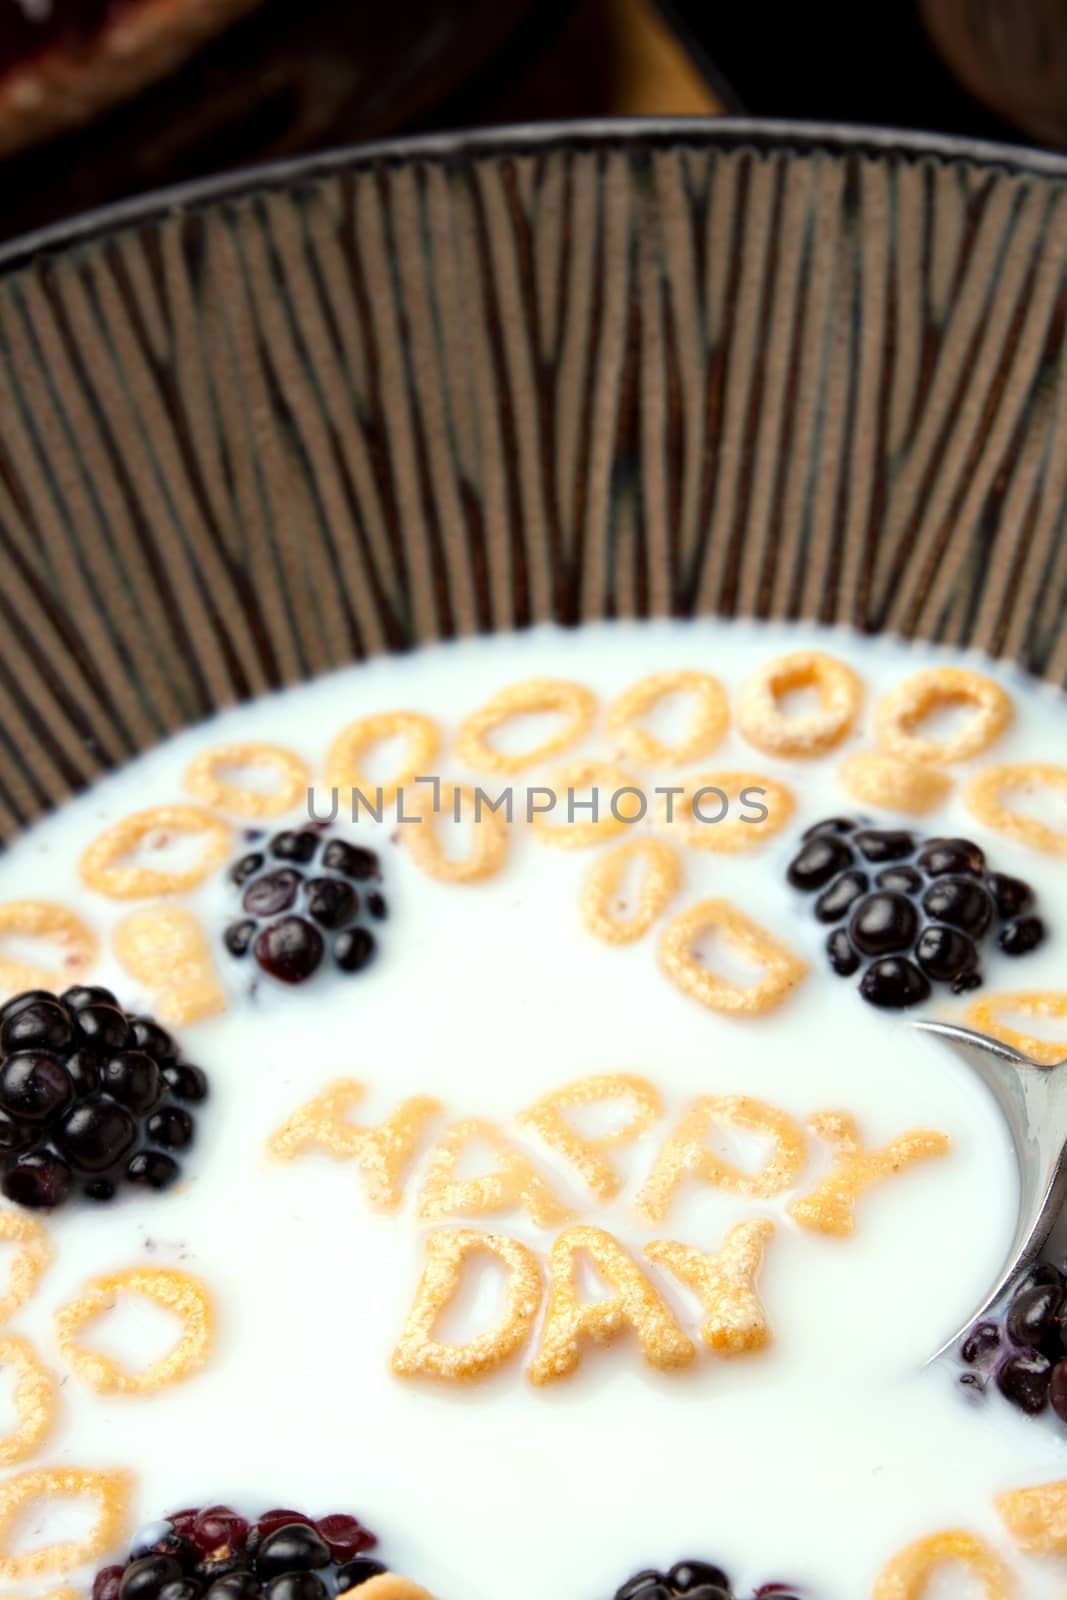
908 1575
165 947
636 1305
830 1206
586 1151
686 1153
1037 1518
516 1181
726 1284
384 1152
419 1354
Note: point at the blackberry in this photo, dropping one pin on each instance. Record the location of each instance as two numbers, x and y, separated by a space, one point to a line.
216 1552
1024 1351
924 919
696 1580
99 1107
298 902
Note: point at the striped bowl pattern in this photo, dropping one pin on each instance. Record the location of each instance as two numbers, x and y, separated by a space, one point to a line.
250 435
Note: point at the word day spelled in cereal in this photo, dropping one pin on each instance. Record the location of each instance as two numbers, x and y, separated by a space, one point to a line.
472 1098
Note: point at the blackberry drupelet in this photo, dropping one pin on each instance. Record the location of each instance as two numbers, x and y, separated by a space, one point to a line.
89 1098
695 1580
924 918
299 899
213 1551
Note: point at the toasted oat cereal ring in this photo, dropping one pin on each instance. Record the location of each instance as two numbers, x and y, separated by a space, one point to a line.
982 1016
984 798
203 781
101 865
175 1291
488 834
899 714
533 696
600 908
35 1401
348 753
616 796
894 782
700 816
763 722
33 1255
166 948
710 720
908 1576
1037 1518
111 1491
42 919
782 969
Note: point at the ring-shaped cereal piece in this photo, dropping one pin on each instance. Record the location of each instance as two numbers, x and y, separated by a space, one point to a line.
984 798
661 875
908 1575
488 834
983 1016
534 695
35 1401
763 722
112 1492
707 727
893 782
175 1291
606 780
101 865
344 763
203 782
732 835
31 1258
898 715
43 919
782 970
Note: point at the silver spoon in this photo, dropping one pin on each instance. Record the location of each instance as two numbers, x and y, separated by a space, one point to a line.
1033 1101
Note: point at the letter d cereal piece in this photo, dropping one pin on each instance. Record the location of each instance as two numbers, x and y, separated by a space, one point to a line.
419 1354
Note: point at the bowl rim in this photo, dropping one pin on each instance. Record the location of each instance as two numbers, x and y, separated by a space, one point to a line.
517 139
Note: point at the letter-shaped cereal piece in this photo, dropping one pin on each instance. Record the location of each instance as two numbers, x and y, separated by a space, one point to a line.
76 946
35 1400
731 835
899 714
707 728
983 1015
894 782
166 948
533 695
660 877
102 865
586 1152
384 1152
110 1490
782 970
984 798
1037 1518
635 1304
831 1206
763 722
488 835
419 1354
515 1183
388 1586
348 753
605 780
203 782
175 1291
685 1153
908 1575
726 1285
33 1255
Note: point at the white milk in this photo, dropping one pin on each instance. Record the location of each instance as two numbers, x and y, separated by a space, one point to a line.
811 1463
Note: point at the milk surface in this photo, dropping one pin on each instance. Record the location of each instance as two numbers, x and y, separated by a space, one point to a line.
812 1462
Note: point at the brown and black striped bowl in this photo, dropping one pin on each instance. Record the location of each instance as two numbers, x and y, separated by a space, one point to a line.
255 430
